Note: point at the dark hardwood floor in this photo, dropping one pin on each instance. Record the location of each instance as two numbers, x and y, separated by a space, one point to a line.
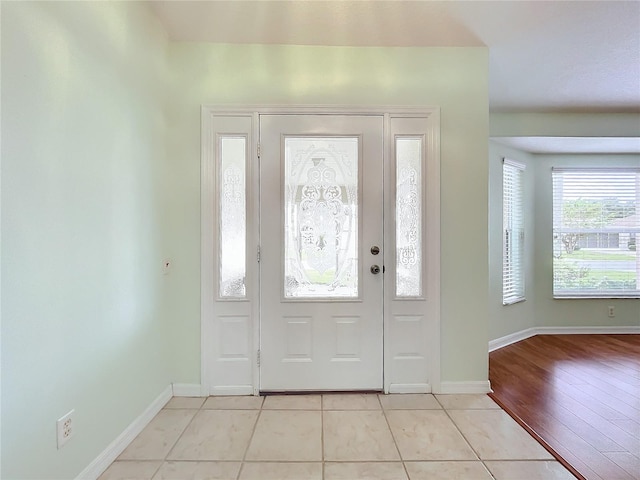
580 395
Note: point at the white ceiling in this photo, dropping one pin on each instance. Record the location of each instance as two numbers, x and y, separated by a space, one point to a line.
544 55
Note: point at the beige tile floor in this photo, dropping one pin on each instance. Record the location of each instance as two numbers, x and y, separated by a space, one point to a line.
335 437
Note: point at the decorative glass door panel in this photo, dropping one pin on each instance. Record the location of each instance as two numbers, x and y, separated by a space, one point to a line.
408 216
233 223
321 217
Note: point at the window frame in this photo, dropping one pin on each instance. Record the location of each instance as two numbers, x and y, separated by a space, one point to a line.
558 229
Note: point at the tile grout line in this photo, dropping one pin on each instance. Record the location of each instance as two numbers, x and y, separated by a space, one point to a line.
386 419
166 457
322 435
253 432
164 460
446 411
200 408
158 469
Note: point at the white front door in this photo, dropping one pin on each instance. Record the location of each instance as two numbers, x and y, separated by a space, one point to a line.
321 252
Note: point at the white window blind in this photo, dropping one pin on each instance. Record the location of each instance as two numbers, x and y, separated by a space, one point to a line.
513 232
596 226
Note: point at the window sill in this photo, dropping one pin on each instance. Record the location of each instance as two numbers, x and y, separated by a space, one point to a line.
598 297
513 302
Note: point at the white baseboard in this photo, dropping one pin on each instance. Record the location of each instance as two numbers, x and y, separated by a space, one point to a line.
530 332
187 390
115 448
232 390
587 330
482 386
511 338
409 388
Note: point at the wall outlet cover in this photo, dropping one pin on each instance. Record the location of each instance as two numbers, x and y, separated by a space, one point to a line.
65 427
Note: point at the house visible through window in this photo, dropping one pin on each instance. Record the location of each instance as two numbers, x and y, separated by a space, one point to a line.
596 228
513 232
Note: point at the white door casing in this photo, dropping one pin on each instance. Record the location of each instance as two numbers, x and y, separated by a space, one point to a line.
230 335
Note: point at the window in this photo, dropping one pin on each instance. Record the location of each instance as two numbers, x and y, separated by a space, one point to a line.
596 226
513 232
233 217
408 216
321 217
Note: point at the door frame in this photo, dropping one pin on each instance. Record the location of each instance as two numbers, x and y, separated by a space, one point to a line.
218 374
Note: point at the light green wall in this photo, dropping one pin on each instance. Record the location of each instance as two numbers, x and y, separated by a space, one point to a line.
83 228
507 319
571 313
454 79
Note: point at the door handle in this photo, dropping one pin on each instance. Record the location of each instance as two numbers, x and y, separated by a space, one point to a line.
375 269
375 250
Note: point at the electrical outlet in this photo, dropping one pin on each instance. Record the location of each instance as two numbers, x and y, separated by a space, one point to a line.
66 428
612 311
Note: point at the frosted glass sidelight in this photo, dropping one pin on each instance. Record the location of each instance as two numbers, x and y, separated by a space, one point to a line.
321 217
232 215
408 216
